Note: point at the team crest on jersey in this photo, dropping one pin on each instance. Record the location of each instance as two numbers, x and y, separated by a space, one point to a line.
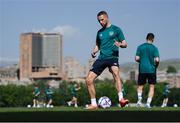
100 35
111 33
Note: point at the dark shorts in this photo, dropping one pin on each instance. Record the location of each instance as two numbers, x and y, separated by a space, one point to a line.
48 97
165 96
74 95
99 65
36 97
144 77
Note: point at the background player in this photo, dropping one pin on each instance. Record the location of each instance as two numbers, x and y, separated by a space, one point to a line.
147 55
48 93
166 92
36 94
74 88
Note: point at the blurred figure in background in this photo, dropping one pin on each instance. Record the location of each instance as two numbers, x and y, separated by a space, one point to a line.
166 92
147 55
49 95
36 94
74 88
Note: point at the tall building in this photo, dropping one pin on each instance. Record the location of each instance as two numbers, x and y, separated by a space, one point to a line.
41 56
74 70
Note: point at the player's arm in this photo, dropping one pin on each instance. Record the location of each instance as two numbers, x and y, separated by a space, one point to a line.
156 61
49 91
156 58
120 39
121 44
137 58
37 93
95 50
79 88
167 91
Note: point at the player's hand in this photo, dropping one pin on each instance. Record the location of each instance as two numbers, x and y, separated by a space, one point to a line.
93 55
118 44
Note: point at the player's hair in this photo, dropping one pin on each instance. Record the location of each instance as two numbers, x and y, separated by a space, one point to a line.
150 36
102 13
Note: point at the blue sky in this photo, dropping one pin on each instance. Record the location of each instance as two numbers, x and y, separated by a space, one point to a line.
76 20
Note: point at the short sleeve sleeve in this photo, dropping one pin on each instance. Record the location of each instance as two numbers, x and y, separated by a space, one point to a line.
156 53
97 40
120 35
138 51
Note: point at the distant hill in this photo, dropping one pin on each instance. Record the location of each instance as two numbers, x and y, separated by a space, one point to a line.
173 62
124 67
163 65
4 63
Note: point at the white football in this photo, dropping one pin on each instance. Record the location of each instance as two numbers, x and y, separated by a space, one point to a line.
175 105
104 102
29 106
48 106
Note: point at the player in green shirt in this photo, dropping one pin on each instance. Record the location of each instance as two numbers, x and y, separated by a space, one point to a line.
74 89
148 57
108 40
49 95
36 94
166 92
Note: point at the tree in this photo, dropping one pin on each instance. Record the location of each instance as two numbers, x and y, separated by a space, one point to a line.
171 69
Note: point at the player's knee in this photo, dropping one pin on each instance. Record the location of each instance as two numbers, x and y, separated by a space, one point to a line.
151 86
116 75
89 81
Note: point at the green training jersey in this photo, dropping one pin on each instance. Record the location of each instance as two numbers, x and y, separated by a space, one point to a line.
166 90
105 40
49 93
147 53
73 90
36 91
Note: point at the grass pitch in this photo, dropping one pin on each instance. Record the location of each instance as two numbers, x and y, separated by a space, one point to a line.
73 109
69 114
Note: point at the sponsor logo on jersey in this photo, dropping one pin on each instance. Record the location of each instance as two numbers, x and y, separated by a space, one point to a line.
111 33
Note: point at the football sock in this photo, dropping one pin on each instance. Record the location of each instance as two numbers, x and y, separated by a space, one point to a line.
120 94
139 96
93 102
149 100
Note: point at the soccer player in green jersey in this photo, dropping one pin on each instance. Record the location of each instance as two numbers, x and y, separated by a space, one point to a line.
166 92
148 57
74 88
49 95
36 94
109 39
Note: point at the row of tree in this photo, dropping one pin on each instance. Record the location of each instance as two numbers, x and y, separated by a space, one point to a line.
18 96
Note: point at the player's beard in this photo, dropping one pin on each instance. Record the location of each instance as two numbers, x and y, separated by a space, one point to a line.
105 25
